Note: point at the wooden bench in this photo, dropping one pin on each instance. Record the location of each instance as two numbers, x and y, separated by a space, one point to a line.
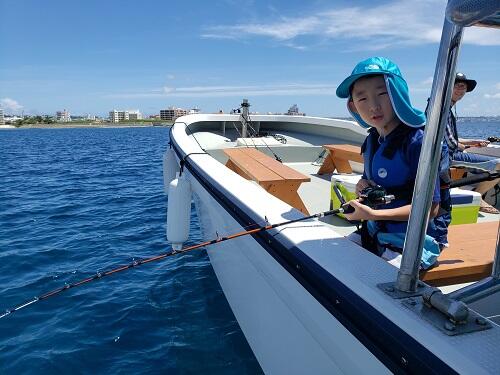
469 257
338 158
456 173
276 178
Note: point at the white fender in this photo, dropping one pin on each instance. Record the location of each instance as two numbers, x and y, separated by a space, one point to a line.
178 211
170 168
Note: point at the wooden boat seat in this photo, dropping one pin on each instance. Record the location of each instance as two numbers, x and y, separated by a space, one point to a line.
456 173
276 178
469 257
338 158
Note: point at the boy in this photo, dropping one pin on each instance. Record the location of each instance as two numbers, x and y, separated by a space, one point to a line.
378 99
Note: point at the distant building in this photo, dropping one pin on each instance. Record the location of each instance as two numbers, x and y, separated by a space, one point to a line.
63 116
2 121
118 116
11 119
171 114
194 111
294 111
134 115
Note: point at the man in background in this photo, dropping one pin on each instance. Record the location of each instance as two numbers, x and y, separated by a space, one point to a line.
457 145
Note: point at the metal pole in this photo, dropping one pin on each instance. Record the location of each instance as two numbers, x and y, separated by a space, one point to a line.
244 114
495 273
439 104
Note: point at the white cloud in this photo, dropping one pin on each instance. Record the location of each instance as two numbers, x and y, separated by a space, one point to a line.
304 89
492 96
423 86
481 36
401 22
11 104
286 29
170 76
498 85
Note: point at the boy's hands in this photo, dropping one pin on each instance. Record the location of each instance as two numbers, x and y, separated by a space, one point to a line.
361 211
363 184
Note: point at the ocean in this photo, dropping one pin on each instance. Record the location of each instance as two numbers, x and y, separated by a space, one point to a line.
77 201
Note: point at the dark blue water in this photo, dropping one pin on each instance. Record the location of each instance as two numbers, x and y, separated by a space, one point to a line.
76 201
481 128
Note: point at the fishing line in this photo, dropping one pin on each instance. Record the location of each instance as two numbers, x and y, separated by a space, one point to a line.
137 263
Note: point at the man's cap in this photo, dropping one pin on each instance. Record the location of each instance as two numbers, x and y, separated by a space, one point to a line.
396 87
471 84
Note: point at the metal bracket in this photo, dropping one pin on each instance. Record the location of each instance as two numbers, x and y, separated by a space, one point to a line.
473 323
391 290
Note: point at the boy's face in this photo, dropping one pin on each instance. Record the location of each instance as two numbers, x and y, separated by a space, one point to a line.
371 101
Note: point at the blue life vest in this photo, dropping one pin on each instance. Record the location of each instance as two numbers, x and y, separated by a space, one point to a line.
387 163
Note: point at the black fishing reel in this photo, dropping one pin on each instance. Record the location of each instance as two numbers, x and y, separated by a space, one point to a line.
372 196
375 196
494 139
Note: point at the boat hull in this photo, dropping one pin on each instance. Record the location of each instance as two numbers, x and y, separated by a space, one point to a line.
289 331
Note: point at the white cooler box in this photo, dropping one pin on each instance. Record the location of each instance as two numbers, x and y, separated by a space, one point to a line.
465 206
465 203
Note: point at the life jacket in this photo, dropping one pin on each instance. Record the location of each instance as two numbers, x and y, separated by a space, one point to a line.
388 234
396 147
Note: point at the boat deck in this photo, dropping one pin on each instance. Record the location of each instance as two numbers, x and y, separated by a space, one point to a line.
302 152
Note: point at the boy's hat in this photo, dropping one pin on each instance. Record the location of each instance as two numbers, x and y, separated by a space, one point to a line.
396 87
471 84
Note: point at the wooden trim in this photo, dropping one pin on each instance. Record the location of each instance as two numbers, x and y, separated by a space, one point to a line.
469 257
457 173
338 158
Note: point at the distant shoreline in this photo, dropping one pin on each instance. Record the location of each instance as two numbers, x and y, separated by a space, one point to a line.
89 126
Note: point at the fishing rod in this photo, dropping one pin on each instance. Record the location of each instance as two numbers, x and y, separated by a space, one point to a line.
475 178
137 263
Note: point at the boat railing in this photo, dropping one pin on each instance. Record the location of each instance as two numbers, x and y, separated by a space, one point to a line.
459 14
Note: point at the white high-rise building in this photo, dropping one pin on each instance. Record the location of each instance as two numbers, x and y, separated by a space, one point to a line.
2 121
63 116
117 116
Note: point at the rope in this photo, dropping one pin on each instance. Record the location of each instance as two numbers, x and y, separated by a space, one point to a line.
183 160
249 123
137 263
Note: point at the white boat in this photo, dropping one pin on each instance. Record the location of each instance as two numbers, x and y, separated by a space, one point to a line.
308 300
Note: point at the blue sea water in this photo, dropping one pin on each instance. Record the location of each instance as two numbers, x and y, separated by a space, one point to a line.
481 128
77 201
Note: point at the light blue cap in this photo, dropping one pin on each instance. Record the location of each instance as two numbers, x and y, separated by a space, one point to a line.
396 87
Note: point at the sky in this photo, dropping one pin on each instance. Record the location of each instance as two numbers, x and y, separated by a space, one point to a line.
93 56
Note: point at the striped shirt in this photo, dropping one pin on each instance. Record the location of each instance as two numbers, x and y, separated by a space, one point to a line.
451 132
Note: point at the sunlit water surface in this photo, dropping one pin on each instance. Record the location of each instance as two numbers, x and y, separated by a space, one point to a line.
77 201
